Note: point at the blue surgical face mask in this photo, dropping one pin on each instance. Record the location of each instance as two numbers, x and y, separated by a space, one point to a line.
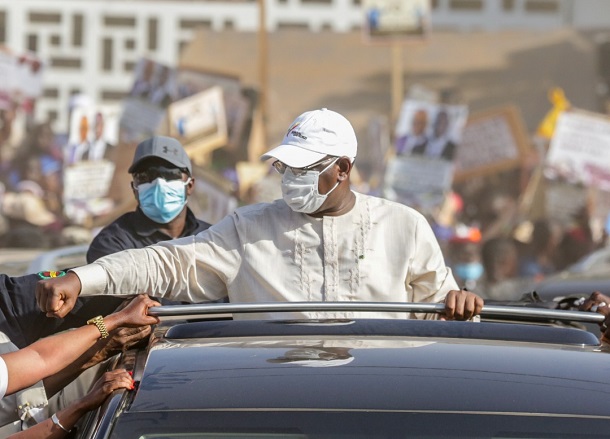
469 271
162 200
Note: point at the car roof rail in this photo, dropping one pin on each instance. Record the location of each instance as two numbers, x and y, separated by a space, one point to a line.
488 311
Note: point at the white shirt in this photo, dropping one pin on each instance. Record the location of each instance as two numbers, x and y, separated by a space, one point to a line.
3 378
380 251
436 146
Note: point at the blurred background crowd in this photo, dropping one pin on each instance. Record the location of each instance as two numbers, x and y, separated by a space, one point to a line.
490 117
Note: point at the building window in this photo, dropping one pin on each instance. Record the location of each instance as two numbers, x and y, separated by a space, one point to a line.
46 18
152 33
2 26
32 43
192 24
55 40
181 46
107 54
302 26
75 91
77 30
466 5
541 6
130 44
508 5
129 66
112 95
68 63
52 115
50 93
117 21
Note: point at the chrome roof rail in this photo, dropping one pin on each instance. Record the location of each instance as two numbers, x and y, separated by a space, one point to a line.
489 311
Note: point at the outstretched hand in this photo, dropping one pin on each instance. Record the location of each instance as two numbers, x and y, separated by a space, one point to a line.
461 305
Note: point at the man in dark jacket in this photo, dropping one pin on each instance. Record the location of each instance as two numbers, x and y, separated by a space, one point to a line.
162 181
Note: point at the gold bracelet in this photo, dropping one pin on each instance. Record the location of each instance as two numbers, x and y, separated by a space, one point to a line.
99 323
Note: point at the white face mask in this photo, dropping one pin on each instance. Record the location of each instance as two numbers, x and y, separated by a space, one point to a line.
300 192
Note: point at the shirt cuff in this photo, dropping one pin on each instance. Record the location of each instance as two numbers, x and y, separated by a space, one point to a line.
93 279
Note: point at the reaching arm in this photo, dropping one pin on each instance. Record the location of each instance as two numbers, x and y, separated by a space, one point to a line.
67 418
52 354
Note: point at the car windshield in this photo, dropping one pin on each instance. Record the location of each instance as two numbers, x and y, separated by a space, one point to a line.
356 424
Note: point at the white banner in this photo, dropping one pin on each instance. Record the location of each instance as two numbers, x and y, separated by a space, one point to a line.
580 150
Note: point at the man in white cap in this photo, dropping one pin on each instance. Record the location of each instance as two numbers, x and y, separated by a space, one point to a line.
321 242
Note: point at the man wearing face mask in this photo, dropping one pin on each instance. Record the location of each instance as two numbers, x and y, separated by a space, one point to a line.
321 242
162 181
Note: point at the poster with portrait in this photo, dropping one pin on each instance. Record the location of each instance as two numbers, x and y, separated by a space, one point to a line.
427 137
395 20
93 133
429 129
89 161
494 140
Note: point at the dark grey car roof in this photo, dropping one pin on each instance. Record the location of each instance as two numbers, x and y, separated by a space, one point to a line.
373 372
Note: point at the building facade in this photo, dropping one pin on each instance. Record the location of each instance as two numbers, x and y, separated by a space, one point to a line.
92 46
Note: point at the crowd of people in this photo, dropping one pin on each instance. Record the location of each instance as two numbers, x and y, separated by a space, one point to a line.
320 242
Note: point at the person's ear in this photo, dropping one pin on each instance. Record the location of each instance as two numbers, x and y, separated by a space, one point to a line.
134 191
190 187
345 167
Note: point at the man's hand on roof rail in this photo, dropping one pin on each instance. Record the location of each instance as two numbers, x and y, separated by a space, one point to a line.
599 302
461 305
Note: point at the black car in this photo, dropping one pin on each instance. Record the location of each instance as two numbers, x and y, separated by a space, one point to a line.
353 378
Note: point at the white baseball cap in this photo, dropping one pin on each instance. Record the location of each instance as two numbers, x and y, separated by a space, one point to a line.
314 135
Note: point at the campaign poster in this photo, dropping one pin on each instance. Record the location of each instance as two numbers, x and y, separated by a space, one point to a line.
89 162
238 106
199 121
579 151
493 141
93 134
418 182
392 20
430 130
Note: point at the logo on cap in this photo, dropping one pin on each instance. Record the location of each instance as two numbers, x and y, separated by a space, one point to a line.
292 131
173 150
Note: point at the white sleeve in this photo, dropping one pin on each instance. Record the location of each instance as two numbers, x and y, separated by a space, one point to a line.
3 378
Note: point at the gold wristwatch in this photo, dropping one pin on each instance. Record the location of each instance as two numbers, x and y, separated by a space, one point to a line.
99 323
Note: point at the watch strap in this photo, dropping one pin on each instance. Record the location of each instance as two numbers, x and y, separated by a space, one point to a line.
98 321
